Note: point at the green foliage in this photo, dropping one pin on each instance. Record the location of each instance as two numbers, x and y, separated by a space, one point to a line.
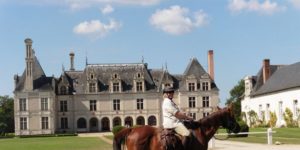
236 94
273 119
244 128
116 129
252 118
6 114
288 118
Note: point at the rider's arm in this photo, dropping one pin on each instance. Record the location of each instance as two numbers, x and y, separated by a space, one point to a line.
182 116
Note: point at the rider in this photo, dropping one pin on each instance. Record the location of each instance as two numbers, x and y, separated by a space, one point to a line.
172 116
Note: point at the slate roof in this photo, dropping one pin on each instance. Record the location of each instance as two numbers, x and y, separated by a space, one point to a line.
40 81
282 78
154 78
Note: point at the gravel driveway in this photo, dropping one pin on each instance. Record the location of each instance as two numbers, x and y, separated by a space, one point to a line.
230 145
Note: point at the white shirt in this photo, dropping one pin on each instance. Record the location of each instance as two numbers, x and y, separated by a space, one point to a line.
169 109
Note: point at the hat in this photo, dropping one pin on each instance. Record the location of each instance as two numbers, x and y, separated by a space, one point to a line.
168 90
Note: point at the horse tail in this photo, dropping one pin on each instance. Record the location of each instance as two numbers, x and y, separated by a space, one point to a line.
120 138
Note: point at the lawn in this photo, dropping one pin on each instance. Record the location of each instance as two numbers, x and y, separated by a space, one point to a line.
283 135
54 143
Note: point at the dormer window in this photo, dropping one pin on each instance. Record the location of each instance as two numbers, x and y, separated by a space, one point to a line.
191 86
92 76
115 76
63 90
139 86
205 86
116 87
92 87
138 75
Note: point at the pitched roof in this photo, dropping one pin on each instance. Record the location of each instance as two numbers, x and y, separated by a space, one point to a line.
40 81
194 68
284 77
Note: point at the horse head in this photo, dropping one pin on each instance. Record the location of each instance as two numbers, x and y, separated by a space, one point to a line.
229 121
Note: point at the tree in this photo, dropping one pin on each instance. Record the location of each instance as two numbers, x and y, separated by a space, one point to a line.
236 95
7 114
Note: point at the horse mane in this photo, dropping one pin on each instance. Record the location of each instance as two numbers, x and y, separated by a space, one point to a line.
210 120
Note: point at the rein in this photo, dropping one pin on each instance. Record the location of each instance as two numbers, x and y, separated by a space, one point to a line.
221 139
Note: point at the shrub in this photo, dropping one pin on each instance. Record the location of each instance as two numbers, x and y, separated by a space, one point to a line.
252 117
116 129
273 119
244 128
288 118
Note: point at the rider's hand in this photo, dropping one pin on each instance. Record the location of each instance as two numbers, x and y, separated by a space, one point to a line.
189 118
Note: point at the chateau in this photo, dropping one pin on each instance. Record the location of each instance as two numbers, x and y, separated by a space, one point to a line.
102 96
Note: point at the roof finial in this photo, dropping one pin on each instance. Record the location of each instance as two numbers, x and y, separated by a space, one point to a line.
63 68
86 59
142 59
166 66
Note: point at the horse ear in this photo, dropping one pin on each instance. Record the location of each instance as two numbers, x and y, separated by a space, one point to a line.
230 106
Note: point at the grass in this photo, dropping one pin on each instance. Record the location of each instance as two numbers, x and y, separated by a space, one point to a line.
283 135
111 137
54 143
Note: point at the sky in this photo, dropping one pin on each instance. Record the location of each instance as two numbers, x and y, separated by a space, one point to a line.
163 33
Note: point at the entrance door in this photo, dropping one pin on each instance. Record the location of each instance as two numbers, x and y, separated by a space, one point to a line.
105 124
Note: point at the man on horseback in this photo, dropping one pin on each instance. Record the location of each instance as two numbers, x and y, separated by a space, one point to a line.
172 116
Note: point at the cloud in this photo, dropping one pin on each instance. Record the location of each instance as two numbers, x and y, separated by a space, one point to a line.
95 28
266 7
177 20
295 3
107 10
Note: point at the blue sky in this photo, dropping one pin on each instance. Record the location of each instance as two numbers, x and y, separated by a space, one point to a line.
241 32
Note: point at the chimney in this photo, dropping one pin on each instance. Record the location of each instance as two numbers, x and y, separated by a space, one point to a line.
72 61
211 64
29 64
266 70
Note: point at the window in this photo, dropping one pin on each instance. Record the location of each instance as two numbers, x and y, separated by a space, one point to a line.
268 112
280 111
139 86
260 112
191 86
63 106
22 103
205 101
115 87
193 115
205 86
139 104
295 108
116 104
63 90
192 102
23 123
92 87
45 123
44 104
64 123
93 105
205 114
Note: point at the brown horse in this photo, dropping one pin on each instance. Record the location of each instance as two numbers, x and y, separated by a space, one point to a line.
149 138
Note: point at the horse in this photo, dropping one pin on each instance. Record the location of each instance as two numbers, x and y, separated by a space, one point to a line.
149 138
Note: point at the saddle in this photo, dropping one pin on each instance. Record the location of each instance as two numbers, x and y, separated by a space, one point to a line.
171 140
